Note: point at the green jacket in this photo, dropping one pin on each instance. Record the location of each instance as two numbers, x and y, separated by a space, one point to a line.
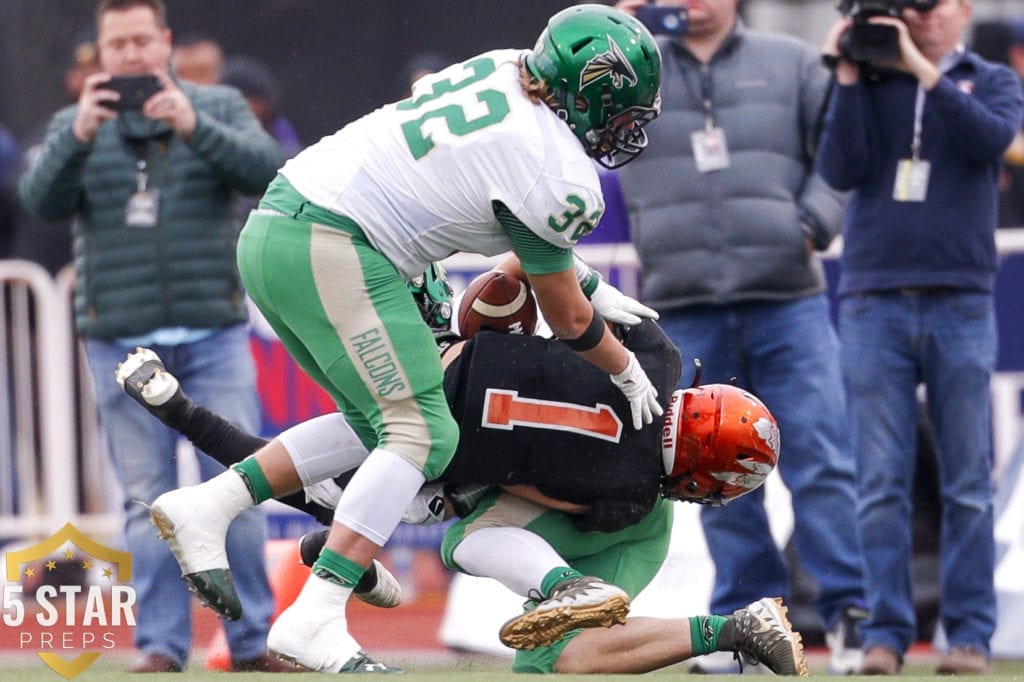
182 272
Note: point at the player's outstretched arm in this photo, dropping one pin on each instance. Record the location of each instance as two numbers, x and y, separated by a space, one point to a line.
579 326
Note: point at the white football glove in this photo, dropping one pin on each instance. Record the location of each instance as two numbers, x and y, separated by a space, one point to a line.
615 306
642 396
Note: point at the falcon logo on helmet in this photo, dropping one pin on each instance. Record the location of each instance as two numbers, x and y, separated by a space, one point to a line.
612 64
718 442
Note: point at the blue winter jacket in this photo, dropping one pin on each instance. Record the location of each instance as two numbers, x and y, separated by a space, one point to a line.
968 121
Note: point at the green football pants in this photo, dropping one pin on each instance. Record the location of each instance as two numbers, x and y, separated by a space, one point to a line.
628 558
347 317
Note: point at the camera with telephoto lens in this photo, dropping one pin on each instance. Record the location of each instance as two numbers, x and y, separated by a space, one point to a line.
867 42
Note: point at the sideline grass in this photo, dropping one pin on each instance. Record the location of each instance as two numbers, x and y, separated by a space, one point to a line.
432 668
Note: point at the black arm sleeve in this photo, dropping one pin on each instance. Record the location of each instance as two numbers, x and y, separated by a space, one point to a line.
218 437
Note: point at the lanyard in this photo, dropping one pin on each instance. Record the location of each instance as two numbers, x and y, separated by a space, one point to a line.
139 147
706 98
140 150
915 144
947 62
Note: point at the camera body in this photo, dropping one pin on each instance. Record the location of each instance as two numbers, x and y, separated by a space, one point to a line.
666 21
867 42
134 91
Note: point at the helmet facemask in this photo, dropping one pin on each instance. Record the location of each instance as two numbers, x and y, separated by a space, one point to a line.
433 295
686 488
623 136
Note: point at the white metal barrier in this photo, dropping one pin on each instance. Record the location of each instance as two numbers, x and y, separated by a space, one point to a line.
53 467
49 449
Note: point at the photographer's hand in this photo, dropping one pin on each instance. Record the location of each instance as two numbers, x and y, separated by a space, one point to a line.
92 112
912 59
630 6
847 72
171 106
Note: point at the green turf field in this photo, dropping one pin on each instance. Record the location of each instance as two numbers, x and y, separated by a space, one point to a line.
447 667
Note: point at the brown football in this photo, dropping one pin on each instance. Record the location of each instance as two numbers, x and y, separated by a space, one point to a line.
497 301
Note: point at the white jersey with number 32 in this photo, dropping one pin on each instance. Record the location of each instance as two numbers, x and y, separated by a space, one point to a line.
420 176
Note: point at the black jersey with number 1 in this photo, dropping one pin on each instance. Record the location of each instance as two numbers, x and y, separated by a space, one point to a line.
532 412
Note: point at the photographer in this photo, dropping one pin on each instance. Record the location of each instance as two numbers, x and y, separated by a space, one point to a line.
149 167
919 139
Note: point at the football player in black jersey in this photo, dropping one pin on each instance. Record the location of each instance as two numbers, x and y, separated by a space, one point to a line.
534 422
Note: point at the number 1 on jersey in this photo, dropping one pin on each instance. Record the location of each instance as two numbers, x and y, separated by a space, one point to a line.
506 410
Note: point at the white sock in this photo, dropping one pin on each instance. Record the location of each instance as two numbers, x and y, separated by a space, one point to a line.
229 492
318 593
517 558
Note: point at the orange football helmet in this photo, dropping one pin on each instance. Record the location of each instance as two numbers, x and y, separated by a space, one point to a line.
718 442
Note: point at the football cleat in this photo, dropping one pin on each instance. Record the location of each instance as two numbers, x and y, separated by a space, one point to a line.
195 531
143 376
315 637
586 602
763 634
362 663
310 545
378 586
384 592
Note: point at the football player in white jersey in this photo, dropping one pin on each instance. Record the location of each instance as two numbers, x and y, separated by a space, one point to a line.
487 156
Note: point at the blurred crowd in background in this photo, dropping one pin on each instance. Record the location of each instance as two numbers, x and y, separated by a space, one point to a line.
309 66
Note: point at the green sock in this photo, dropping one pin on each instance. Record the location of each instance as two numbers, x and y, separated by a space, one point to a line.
255 480
338 569
704 631
556 576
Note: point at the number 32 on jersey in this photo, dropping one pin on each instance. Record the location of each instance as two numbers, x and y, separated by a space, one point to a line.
467 112
488 107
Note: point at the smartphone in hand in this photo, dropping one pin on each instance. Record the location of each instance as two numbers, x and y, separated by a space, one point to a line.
134 91
668 21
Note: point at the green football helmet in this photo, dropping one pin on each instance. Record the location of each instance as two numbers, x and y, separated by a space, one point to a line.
604 69
433 295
